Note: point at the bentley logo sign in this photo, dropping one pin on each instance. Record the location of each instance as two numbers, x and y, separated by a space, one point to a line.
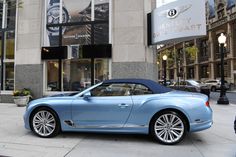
178 21
173 13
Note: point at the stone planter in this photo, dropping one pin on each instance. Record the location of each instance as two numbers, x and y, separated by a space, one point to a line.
21 100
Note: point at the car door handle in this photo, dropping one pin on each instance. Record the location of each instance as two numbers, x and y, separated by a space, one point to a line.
123 105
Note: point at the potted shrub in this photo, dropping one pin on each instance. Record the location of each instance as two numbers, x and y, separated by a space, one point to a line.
21 97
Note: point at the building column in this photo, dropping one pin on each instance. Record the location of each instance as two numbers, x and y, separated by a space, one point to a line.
28 65
132 57
196 66
212 65
231 51
161 67
167 70
185 62
175 64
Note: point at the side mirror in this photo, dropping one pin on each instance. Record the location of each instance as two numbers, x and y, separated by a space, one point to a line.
87 96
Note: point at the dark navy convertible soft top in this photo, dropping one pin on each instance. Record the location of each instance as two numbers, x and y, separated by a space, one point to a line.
152 85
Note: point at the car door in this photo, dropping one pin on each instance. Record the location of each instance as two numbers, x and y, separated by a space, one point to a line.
190 87
106 106
181 86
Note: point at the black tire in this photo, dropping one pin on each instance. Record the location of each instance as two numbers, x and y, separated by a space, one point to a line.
213 89
168 133
45 123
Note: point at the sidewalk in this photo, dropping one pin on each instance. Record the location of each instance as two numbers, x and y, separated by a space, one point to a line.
16 141
231 91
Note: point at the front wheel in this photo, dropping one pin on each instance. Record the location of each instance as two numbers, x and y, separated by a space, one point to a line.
45 123
168 127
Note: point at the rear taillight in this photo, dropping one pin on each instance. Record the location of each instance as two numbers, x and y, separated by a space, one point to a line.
207 104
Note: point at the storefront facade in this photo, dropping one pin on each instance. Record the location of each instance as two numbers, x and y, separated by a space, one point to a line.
205 65
103 39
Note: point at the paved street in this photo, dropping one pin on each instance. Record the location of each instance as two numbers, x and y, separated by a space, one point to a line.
218 141
230 95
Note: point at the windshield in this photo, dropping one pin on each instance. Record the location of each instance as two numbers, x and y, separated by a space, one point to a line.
80 94
193 82
199 82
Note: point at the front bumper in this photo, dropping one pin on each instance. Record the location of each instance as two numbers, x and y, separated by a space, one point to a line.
26 121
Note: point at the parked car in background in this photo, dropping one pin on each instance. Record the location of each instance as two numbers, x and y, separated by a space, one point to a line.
122 106
168 82
192 86
215 84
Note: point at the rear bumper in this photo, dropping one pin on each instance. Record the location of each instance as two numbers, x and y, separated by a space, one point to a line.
198 126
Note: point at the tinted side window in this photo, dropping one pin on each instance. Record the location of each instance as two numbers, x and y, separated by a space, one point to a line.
119 89
188 83
211 82
182 83
141 90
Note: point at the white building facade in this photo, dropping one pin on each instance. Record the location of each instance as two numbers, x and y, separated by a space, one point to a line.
104 39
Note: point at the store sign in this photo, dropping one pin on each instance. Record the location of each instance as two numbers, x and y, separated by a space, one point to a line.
96 51
178 21
49 53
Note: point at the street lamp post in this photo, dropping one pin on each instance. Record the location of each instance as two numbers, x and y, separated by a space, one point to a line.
164 64
223 98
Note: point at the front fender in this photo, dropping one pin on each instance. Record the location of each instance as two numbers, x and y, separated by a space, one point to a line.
62 109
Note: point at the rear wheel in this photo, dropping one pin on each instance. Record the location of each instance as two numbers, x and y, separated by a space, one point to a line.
168 127
45 123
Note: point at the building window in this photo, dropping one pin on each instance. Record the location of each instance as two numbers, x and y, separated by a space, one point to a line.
204 48
190 74
204 71
171 74
76 74
204 54
81 23
218 69
221 11
7 43
180 56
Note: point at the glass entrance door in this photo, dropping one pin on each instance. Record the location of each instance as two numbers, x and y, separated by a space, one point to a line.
101 70
76 74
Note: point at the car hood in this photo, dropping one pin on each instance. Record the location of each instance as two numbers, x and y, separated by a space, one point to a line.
62 96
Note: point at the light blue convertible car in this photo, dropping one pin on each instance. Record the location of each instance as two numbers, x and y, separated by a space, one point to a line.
122 106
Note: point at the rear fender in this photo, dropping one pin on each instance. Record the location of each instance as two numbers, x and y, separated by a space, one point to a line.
143 113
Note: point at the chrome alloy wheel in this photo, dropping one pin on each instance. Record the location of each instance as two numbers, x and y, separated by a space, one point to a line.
44 123
169 128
